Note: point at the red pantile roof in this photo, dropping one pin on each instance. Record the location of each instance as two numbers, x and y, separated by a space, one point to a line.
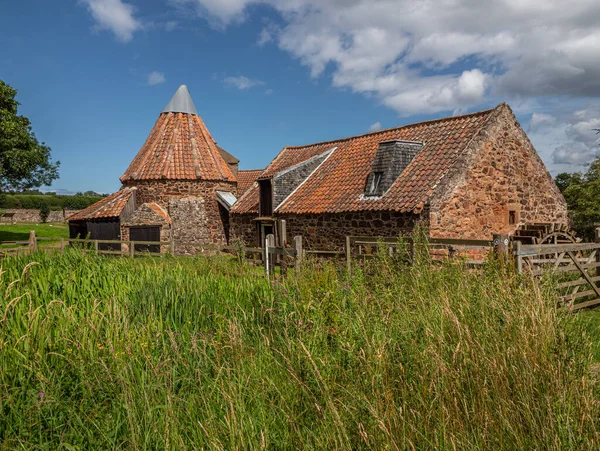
246 178
179 147
160 211
338 184
109 207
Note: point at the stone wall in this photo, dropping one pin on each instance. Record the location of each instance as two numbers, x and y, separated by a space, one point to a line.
145 216
329 231
244 227
33 216
199 216
287 181
504 174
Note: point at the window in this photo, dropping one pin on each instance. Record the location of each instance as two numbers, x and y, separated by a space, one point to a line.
512 217
375 183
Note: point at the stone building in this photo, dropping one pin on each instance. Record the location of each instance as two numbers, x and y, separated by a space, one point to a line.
180 186
463 177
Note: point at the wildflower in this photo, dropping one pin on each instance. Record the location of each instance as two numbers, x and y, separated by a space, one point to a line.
41 395
299 323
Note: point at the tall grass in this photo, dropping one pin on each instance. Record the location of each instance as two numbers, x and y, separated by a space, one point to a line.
105 353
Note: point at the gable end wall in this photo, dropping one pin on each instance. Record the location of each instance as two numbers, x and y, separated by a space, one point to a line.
501 172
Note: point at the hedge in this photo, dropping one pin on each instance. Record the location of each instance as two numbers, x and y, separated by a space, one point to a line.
56 202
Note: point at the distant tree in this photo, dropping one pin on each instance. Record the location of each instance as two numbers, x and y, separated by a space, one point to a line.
582 193
24 161
44 211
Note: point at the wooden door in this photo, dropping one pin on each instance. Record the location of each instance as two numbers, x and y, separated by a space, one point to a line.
149 233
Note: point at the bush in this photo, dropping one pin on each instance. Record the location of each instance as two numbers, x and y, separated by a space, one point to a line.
44 211
55 202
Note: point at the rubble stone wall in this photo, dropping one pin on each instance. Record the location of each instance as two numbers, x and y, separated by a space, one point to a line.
33 215
195 213
505 175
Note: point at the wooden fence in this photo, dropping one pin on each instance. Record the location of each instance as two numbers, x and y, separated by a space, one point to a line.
577 265
270 255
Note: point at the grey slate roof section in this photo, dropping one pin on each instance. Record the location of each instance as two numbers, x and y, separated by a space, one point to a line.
181 102
226 199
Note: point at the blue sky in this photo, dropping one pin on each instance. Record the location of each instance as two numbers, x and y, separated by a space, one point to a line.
93 75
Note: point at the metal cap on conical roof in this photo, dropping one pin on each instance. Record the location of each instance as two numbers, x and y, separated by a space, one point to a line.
181 102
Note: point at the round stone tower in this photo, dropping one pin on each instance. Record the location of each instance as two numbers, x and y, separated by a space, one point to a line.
181 168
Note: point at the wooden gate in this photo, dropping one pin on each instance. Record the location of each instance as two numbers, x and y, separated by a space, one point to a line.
577 265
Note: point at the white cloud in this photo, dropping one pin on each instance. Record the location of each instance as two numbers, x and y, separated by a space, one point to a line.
268 92
375 126
242 82
156 78
395 49
432 56
539 120
115 16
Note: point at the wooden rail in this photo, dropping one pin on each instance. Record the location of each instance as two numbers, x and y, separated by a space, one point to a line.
582 259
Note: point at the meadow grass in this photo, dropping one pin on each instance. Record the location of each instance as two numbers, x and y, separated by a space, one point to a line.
20 232
205 353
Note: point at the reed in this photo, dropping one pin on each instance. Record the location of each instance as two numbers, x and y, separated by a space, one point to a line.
173 353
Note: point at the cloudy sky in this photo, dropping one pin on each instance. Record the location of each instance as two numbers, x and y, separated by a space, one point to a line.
94 74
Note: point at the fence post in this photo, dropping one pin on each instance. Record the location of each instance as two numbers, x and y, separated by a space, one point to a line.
32 241
62 245
597 251
299 252
501 244
172 245
283 243
131 249
269 243
348 254
518 257
96 246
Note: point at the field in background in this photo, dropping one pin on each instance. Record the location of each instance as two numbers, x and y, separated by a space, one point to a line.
178 353
20 232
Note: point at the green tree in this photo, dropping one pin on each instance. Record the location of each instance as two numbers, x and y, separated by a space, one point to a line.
24 162
44 211
582 193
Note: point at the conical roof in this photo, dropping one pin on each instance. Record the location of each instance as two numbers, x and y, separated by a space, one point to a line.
181 102
179 147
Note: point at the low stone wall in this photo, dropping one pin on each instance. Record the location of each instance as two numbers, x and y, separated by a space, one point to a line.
33 216
328 231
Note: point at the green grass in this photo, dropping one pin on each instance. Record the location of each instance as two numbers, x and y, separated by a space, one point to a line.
20 232
198 353
589 321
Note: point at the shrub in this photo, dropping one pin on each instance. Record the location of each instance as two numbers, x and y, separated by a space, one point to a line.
44 211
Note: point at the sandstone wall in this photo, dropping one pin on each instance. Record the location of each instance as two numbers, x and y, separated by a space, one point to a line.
329 231
33 216
504 174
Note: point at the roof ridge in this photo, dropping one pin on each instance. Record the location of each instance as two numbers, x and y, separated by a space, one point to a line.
385 130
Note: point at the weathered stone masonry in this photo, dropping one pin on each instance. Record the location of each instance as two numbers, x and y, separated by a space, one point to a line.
504 174
328 231
192 205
